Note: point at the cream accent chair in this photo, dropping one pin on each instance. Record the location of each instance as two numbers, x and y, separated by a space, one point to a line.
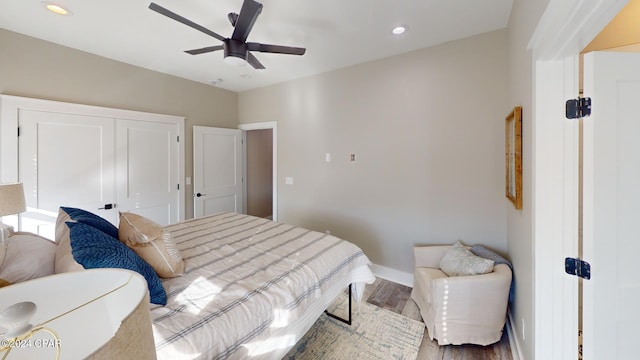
460 309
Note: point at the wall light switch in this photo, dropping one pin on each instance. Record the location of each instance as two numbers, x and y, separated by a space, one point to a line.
353 157
288 180
327 157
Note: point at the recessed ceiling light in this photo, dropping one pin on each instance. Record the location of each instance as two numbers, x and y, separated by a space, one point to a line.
56 8
399 30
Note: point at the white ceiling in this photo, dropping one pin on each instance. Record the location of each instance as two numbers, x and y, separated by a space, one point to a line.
336 33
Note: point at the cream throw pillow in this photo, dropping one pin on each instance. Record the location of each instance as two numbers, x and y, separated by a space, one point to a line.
460 261
64 261
155 245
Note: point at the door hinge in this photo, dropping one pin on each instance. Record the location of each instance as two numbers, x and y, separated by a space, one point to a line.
178 138
577 267
18 131
178 186
578 108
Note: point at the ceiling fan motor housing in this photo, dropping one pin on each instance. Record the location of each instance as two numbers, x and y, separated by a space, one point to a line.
236 49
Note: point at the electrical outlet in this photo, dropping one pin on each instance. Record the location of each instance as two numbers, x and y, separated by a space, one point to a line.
522 320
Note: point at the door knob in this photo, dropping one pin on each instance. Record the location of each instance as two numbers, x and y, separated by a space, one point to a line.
107 207
200 194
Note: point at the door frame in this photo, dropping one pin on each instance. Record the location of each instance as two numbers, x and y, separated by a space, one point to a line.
273 125
565 28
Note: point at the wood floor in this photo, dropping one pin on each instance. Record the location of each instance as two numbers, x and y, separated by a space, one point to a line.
397 298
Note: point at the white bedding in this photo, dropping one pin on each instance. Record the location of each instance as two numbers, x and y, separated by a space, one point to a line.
251 288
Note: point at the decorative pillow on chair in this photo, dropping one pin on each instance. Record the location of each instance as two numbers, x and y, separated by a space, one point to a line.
151 243
95 249
27 256
459 261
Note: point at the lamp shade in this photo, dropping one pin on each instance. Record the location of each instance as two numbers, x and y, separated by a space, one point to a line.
12 199
92 314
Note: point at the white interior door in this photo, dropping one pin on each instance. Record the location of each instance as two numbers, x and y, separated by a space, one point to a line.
147 169
64 160
217 170
611 213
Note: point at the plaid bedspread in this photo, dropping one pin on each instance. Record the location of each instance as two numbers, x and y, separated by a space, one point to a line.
252 287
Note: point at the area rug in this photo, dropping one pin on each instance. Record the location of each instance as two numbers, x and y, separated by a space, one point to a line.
375 333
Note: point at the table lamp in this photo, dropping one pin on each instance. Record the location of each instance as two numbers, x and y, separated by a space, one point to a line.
11 202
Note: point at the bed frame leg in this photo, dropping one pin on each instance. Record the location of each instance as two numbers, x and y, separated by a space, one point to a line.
348 322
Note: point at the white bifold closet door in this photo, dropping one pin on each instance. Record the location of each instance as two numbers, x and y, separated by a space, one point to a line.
147 180
99 164
65 160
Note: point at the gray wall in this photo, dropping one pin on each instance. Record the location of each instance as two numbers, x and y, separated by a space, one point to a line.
34 68
427 129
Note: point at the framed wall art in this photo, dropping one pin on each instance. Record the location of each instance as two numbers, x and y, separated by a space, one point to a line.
513 156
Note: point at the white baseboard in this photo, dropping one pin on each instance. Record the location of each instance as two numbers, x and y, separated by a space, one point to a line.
399 277
514 341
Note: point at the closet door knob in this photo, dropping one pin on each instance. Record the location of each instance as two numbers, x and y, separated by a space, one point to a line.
106 207
199 194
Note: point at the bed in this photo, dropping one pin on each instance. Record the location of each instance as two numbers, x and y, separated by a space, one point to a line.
251 287
226 286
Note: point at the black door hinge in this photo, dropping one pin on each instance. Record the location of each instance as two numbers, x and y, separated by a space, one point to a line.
577 267
578 108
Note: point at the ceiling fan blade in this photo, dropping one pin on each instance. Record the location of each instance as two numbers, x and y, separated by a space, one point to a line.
248 15
204 50
168 13
253 61
277 49
233 18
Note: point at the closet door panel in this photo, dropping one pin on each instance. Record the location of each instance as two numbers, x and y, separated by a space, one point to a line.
64 160
147 160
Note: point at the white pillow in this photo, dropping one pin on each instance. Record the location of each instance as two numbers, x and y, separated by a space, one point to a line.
28 256
460 261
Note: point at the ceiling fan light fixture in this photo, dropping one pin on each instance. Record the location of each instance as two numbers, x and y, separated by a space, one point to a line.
235 52
56 8
234 60
399 30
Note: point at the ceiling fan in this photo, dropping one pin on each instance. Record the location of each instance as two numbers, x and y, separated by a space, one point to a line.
236 48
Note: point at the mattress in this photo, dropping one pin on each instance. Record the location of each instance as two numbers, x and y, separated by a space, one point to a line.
252 287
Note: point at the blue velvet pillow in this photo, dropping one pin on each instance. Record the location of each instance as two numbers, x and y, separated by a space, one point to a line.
93 248
91 219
